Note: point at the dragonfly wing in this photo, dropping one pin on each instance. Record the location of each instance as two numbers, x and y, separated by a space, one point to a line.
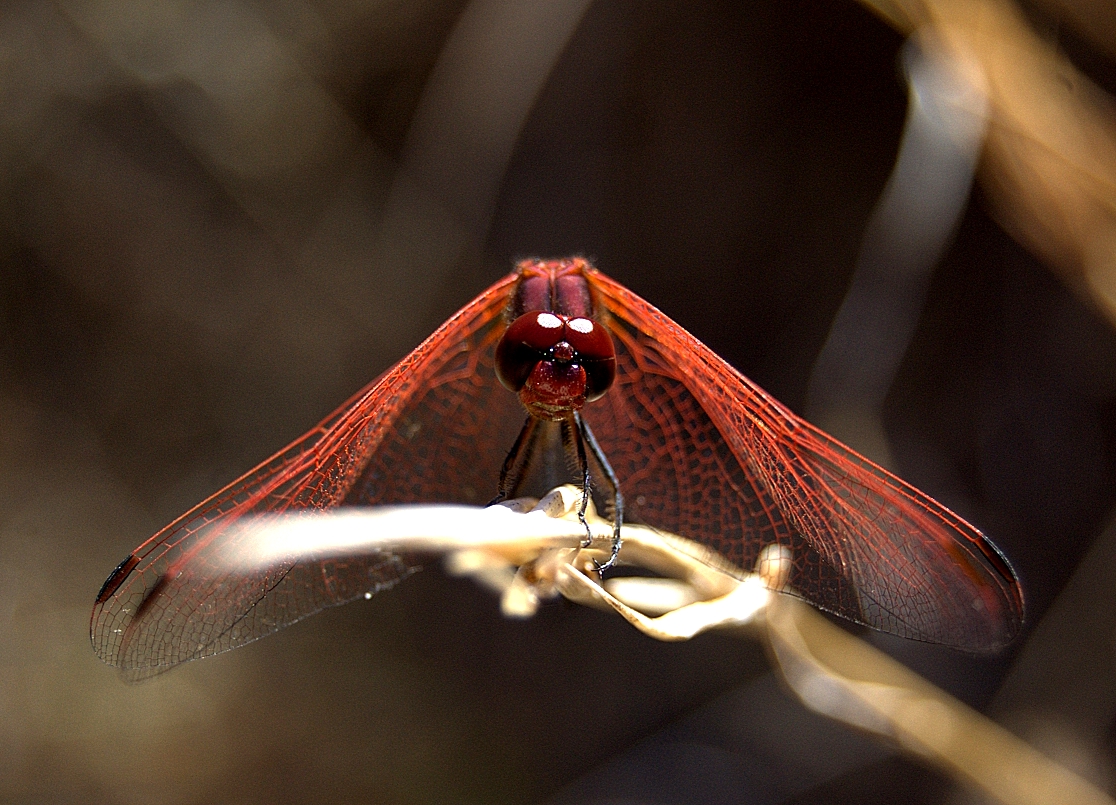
711 456
918 569
415 434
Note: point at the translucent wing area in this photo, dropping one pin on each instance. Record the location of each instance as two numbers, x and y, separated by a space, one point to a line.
699 451
702 452
435 427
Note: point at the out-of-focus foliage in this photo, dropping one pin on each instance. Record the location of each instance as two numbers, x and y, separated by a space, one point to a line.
1050 156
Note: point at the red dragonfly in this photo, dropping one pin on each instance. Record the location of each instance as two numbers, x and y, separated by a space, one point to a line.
641 406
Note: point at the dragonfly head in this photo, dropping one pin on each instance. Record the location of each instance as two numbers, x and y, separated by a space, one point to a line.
555 363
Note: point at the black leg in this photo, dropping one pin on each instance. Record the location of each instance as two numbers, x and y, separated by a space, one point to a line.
573 432
518 458
587 438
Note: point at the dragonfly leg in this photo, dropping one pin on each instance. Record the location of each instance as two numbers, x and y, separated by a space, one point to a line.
516 462
587 438
572 431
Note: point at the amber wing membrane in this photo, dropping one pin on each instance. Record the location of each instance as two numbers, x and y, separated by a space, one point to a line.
699 450
435 427
703 452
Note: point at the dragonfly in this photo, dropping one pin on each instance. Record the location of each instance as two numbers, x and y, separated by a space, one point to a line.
557 370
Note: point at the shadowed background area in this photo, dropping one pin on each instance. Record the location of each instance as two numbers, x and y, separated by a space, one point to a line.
220 219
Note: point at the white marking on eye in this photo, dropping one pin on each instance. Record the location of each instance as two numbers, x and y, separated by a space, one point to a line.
581 325
549 321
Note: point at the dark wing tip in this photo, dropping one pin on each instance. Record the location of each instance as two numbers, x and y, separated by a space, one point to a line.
116 578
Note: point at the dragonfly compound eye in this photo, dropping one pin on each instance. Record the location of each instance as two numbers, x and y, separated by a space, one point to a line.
565 361
596 354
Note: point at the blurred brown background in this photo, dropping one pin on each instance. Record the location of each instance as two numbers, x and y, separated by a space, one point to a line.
219 219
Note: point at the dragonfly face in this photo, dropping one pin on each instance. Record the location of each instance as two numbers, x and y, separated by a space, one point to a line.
553 354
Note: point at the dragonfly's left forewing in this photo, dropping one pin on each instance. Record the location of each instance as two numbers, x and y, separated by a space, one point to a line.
414 434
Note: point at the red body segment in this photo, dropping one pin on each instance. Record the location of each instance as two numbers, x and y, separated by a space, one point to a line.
698 450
